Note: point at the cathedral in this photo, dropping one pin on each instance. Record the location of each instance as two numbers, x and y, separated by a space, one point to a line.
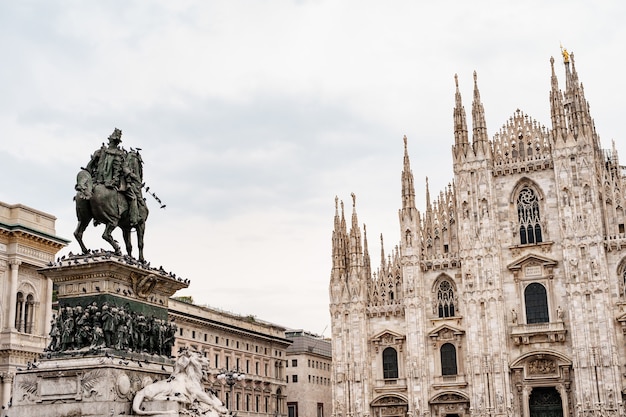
506 296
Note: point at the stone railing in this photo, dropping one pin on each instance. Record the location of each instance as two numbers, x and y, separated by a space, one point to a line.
524 334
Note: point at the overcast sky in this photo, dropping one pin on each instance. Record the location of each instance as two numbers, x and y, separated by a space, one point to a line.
254 115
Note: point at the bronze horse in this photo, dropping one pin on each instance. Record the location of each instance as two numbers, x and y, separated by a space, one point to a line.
109 206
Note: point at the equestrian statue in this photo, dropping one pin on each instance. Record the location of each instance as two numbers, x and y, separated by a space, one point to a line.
108 190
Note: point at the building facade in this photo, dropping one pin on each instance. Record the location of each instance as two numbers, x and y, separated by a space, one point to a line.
308 375
507 295
244 344
28 242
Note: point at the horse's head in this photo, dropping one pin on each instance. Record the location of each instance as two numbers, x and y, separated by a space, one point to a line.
135 164
84 185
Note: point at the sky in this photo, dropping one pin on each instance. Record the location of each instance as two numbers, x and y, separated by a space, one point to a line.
252 116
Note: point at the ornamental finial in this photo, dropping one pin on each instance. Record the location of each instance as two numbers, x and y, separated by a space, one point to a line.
565 55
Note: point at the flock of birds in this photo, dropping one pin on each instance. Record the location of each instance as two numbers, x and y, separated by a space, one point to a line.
101 255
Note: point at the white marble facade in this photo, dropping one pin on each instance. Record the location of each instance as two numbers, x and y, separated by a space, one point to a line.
506 296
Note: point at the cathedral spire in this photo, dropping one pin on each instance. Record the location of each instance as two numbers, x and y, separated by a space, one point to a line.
479 132
461 142
339 239
557 110
428 218
356 247
408 189
576 107
382 253
366 254
427 195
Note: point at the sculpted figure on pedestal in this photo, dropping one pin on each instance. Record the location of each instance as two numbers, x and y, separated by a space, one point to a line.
108 191
183 386
110 326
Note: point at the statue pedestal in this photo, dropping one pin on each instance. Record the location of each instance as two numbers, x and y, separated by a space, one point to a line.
112 339
83 386
119 280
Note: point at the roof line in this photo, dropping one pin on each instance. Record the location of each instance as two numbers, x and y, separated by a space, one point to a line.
19 227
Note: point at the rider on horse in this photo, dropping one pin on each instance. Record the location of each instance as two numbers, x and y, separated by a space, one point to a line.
108 191
108 166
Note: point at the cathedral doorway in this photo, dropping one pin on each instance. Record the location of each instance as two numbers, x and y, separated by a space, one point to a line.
545 402
390 406
449 404
542 382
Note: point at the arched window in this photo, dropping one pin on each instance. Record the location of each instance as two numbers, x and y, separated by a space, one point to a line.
445 299
390 363
528 217
536 300
448 359
19 309
29 313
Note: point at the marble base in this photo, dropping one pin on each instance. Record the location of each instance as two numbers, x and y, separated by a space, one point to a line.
86 386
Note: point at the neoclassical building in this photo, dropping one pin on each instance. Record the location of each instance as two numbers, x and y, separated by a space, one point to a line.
28 242
506 296
252 347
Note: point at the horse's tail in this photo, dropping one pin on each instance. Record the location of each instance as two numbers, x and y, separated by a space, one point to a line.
139 397
84 185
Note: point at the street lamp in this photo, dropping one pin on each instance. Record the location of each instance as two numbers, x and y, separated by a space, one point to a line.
230 378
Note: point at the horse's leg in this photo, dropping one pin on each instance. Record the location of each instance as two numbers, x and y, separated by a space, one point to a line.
84 217
140 228
109 238
127 240
78 234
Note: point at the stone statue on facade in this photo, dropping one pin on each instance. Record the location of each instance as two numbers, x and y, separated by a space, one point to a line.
183 386
108 190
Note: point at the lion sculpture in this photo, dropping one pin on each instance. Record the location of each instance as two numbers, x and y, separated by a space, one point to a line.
183 386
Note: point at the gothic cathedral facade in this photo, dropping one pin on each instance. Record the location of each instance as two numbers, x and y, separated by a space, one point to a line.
507 295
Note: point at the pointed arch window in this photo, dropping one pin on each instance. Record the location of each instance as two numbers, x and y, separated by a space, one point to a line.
536 300
448 359
445 299
390 363
529 217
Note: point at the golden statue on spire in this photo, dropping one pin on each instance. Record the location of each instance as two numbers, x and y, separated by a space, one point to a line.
565 55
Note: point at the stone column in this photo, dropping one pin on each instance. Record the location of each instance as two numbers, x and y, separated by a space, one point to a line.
4 288
22 318
525 399
47 305
564 400
7 385
15 266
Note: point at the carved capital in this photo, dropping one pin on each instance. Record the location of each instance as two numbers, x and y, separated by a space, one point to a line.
15 263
